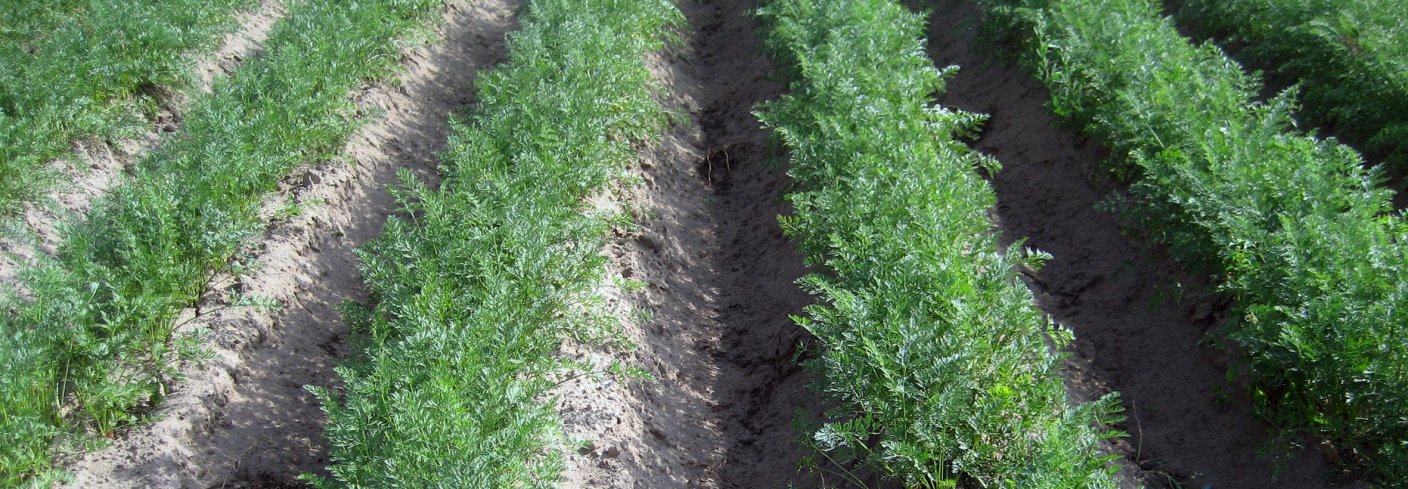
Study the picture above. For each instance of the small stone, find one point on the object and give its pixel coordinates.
(611, 452)
(1202, 311)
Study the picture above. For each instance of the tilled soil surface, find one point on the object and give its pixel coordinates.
(243, 418)
(1141, 319)
(99, 165)
(721, 284)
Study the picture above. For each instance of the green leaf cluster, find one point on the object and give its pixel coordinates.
(477, 282)
(93, 343)
(71, 69)
(939, 368)
(1300, 234)
(1348, 57)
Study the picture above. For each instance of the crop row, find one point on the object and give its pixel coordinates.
(96, 339)
(477, 282)
(85, 68)
(1297, 231)
(1350, 58)
(939, 366)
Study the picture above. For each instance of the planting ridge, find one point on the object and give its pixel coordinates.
(61, 85)
(939, 368)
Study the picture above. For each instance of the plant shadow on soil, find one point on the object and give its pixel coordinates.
(243, 419)
(1141, 319)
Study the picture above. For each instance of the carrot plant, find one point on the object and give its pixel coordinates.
(95, 341)
(1348, 57)
(74, 69)
(939, 366)
(476, 283)
(1299, 233)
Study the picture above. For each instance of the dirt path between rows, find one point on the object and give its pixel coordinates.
(1138, 331)
(243, 419)
(721, 284)
(99, 165)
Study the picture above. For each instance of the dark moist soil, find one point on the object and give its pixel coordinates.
(1140, 318)
(243, 418)
(721, 281)
(756, 267)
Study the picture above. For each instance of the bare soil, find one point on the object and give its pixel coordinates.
(243, 418)
(1141, 319)
(99, 165)
(721, 284)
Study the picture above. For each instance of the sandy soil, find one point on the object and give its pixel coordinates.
(1140, 318)
(99, 165)
(721, 285)
(243, 419)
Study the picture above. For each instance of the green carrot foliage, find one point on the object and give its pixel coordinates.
(1348, 57)
(940, 368)
(95, 342)
(477, 282)
(75, 69)
(1299, 233)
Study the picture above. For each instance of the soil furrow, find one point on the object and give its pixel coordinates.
(721, 284)
(1140, 318)
(98, 166)
(242, 418)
